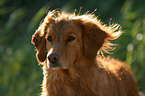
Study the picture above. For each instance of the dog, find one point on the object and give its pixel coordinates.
(68, 47)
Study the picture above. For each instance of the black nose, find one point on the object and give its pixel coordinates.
(53, 58)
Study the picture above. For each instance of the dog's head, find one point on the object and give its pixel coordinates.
(65, 39)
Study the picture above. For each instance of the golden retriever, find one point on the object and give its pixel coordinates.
(67, 46)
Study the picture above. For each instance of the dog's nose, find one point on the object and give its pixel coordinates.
(53, 58)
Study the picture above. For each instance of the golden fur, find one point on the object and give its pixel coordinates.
(82, 71)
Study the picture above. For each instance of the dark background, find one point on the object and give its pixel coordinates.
(20, 74)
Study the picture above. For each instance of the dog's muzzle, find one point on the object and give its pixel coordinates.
(53, 59)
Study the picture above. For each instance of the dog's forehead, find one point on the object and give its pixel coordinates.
(62, 26)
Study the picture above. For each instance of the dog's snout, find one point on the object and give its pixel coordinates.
(53, 58)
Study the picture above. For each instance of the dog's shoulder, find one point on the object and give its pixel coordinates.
(114, 66)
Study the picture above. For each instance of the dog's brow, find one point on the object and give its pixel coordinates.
(51, 28)
(61, 23)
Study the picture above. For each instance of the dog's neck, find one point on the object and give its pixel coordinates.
(59, 79)
(74, 70)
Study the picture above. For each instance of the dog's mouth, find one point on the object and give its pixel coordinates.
(54, 62)
(54, 65)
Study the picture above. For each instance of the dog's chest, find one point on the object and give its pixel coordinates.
(67, 86)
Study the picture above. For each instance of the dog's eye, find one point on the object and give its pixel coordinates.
(49, 38)
(70, 38)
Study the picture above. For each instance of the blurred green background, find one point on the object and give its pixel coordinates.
(20, 74)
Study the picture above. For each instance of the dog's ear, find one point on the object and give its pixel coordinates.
(39, 37)
(40, 45)
(93, 39)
